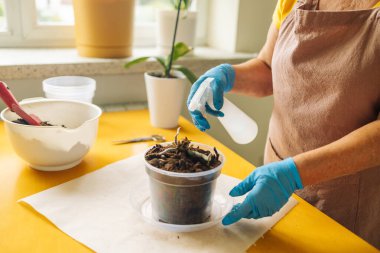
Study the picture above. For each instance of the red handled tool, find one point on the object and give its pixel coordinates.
(8, 98)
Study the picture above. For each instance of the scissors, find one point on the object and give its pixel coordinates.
(154, 137)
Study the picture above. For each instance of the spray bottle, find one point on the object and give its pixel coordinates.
(238, 125)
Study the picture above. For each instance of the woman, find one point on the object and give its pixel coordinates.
(321, 62)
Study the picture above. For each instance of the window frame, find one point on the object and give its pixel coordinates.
(24, 30)
(13, 33)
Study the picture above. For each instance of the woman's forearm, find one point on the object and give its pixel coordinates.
(254, 77)
(354, 152)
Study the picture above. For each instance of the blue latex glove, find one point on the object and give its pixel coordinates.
(224, 76)
(269, 188)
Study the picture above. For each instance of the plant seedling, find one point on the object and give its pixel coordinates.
(180, 50)
(182, 156)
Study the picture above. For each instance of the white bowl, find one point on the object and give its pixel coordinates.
(54, 148)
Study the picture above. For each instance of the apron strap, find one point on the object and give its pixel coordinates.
(274, 150)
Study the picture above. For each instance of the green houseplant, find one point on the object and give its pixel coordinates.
(166, 88)
(180, 49)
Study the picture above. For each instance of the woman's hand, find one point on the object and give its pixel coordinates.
(269, 188)
(224, 76)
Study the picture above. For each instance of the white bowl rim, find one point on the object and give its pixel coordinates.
(47, 100)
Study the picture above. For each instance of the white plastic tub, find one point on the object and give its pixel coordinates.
(78, 88)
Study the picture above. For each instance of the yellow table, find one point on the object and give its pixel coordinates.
(304, 229)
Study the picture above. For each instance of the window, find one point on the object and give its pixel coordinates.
(55, 12)
(3, 20)
(50, 23)
(146, 10)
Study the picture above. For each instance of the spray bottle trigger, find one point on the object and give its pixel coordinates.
(210, 97)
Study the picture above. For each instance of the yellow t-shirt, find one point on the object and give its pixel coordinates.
(284, 7)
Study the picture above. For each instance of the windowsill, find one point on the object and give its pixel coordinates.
(41, 63)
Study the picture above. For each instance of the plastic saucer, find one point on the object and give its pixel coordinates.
(141, 203)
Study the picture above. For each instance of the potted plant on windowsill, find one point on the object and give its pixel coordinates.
(165, 89)
(186, 26)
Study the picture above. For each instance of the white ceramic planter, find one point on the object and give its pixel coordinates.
(185, 32)
(165, 98)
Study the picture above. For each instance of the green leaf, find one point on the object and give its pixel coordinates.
(187, 4)
(184, 6)
(136, 61)
(180, 49)
(187, 72)
(160, 60)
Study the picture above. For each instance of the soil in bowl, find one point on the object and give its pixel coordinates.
(182, 200)
(43, 123)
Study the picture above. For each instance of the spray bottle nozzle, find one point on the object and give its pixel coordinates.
(202, 96)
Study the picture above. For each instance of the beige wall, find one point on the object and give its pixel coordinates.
(239, 25)
(246, 33)
(254, 19)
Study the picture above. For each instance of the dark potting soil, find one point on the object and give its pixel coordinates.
(161, 75)
(182, 156)
(24, 122)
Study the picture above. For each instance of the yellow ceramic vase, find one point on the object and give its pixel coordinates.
(104, 28)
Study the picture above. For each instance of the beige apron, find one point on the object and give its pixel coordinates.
(326, 84)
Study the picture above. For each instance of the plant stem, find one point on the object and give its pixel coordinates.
(167, 74)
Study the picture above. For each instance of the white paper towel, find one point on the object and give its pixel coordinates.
(94, 209)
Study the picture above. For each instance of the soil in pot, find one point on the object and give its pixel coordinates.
(182, 200)
(161, 75)
(182, 157)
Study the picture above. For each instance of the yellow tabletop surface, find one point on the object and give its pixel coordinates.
(304, 229)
